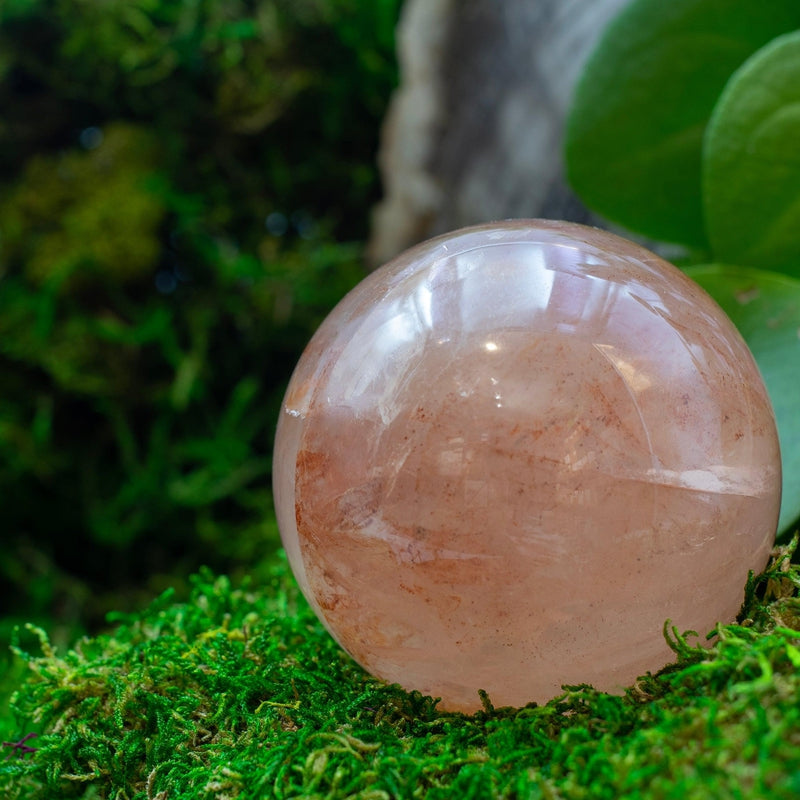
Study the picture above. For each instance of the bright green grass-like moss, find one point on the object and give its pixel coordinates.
(239, 693)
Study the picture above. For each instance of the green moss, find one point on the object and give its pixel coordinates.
(182, 189)
(239, 693)
(83, 217)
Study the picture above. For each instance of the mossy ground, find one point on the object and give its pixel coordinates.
(239, 693)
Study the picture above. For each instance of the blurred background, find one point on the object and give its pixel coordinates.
(186, 189)
(184, 192)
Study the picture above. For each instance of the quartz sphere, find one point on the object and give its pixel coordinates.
(507, 457)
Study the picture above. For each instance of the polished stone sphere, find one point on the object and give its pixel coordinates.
(510, 454)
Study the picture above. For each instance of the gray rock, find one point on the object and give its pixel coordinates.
(475, 130)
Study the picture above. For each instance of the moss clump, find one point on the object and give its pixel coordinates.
(239, 693)
(87, 217)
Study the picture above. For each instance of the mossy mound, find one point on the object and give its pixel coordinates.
(239, 693)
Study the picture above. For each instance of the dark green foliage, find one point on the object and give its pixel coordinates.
(259, 102)
(239, 693)
(181, 185)
(684, 127)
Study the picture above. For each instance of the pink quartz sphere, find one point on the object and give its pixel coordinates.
(511, 454)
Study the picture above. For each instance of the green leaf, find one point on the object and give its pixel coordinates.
(635, 131)
(751, 166)
(765, 307)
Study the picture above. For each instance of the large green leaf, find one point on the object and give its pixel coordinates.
(751, 164)
(635, 132)
(765, 307)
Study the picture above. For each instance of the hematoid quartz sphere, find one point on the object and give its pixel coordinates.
(510, 454)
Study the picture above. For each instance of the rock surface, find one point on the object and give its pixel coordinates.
(506, 458)
(474, 132)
